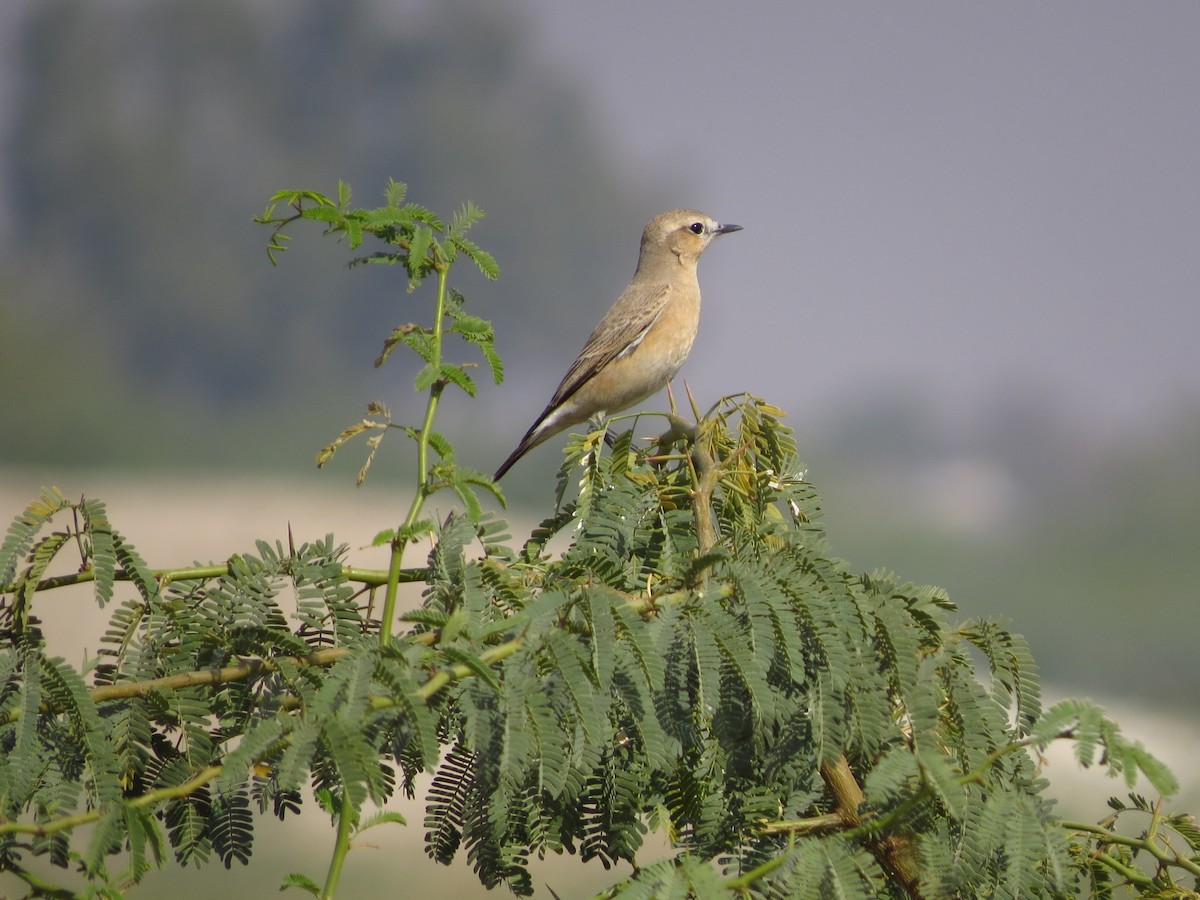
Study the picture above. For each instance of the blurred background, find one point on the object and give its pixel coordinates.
(970, 272)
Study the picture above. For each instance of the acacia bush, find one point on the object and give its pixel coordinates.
(696, 663)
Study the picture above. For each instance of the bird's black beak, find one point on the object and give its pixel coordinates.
(725, 229)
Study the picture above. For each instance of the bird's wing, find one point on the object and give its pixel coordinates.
(619, 333)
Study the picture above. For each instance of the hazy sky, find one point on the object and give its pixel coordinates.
(971, 198)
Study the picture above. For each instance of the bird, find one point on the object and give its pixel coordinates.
(643, 339)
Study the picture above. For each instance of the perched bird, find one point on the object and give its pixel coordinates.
(642, 341)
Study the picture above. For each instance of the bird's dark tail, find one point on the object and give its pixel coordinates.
(531, 440)
(508, 463)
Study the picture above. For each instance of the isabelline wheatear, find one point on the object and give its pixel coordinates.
(642, 341)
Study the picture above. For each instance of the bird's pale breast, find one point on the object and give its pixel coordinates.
(659, 356)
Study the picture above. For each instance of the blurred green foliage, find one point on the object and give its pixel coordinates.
(143, 136)
(1090, 547)
(694, 663)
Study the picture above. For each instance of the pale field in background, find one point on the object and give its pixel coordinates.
(175, 520)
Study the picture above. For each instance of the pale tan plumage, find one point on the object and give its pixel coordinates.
(643, 339)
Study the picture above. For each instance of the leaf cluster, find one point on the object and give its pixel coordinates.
(423, 242)
(425, 246)
(1110, 857)
(567, 704)
(697, 663)
(210, 700)
(705, 691)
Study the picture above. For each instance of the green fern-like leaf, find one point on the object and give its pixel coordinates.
(231, 827)
(144, 839)
(65, 688)
(135, 567)
(303, 882)
(23, 766)
(571, 673)
(106, 839)
(1014, 673)
(24, 528)
(445, 808)
(187, 827)
(416, 728)
(103, 550)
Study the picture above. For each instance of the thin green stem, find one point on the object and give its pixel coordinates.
(393, 587)
(1147, 843)
(163, 576)
(325, 656)
(404, 533)
(204, 573)
(446, 676)
(341, 846)
(826, 822)
(41, 887)
(1130, 874)
(376, 577)
(432, 686)
(743, 883)
(197, 781)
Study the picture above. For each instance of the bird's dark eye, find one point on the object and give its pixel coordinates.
(696, 228)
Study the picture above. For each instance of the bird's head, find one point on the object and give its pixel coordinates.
(681, 235)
